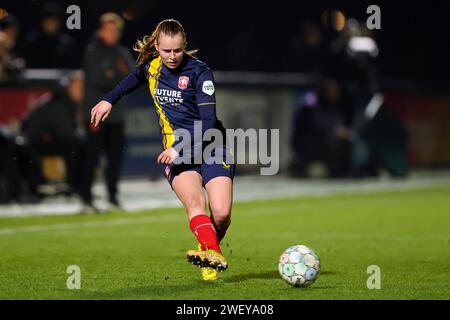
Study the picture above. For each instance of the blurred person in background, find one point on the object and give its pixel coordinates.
(10, 66)
(10, 26)
(49, 46)
(10, 176)
(353, 63)
(52, 129)
(106, 62)
(19, 169)
(333, 118)
(380, 139)
(321, 133)
(306, 50)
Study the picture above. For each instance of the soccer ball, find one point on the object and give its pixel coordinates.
(299, 266)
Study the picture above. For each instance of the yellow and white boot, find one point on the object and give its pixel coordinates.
(198, 257)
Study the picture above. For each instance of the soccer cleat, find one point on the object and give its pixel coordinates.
(208, 274)
(207, 258)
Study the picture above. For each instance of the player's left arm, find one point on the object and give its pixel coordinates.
(206, 99)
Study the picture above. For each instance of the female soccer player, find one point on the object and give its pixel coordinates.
(182, 89)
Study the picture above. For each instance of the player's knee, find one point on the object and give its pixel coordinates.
(221, 213)
(194, 204)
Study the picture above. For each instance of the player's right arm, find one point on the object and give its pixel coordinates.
(130, 83)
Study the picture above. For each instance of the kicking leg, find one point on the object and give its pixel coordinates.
(188, 187)
(220, 195)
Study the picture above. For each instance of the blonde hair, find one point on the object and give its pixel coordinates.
(112, 17)
(146, 45)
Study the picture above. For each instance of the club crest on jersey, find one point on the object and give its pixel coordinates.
(183, 82)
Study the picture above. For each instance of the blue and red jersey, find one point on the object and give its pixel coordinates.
(181, 96)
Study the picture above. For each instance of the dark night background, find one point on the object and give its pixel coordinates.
(241, 35)
(356, 102)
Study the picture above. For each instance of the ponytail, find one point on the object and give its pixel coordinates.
(146, 46)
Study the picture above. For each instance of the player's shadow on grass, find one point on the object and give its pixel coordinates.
(266, 275)
(250, 276)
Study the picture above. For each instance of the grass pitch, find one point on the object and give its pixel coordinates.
(142, 255)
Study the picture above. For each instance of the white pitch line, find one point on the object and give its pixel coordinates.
(107, 223)
(91, 224)
(144, 195)
(261, 210)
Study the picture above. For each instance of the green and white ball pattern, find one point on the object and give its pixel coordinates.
(299, 266)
